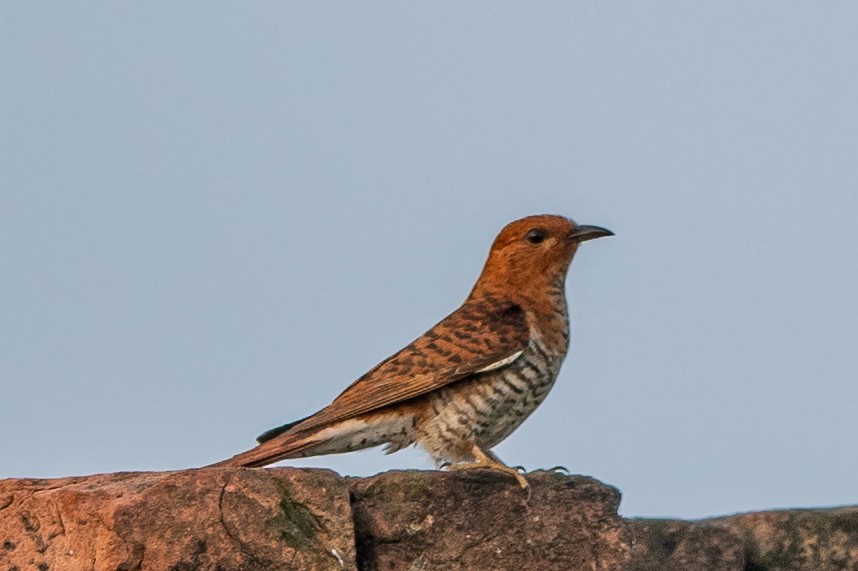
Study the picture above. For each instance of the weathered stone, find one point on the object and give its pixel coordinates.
(670, 545)
(238, 519)
(218, 519)
(483, 520)
(788, 540)
(799, 540)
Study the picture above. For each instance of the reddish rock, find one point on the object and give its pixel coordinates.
(238, 519)
(483, 520)
(214, 519)
(241, 519)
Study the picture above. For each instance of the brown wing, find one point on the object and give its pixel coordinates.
(479, 336)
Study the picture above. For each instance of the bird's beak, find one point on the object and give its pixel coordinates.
(583, 233)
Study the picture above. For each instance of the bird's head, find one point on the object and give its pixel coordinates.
(533, 253)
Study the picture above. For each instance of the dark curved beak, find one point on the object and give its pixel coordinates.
(583, 233)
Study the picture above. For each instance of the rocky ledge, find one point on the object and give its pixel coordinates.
(228, 519)
(787, 540)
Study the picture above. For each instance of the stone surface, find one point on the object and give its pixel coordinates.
(238, 519)
(788, 540)
(196, 519)
(410, 521)
(812, 540)
(244, 519)
(662, 545)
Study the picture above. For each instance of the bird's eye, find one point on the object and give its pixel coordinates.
(536, 236)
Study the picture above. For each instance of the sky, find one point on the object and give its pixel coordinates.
(214, 216)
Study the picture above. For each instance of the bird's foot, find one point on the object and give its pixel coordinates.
(519, 477)
(488, 460)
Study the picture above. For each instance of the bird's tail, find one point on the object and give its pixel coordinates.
(291, 441)
(273, 450)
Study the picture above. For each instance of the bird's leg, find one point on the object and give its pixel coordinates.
(489, 461)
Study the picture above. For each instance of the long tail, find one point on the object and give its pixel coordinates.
(291, 441)
(273, 450)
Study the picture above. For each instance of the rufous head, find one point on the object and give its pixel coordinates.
(533, 253)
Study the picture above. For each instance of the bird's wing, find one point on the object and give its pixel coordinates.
(478, 337)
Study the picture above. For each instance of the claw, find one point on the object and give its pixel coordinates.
(489, 461)
(519, 477)
(525, 485)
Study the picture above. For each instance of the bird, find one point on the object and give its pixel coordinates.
(467, 383)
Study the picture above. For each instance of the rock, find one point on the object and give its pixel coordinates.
(788, 540)
(410, 521)
(223, 519)
(799, 540)
(238, 519)
(661, 545)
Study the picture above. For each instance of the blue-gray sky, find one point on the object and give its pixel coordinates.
(215, 216)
